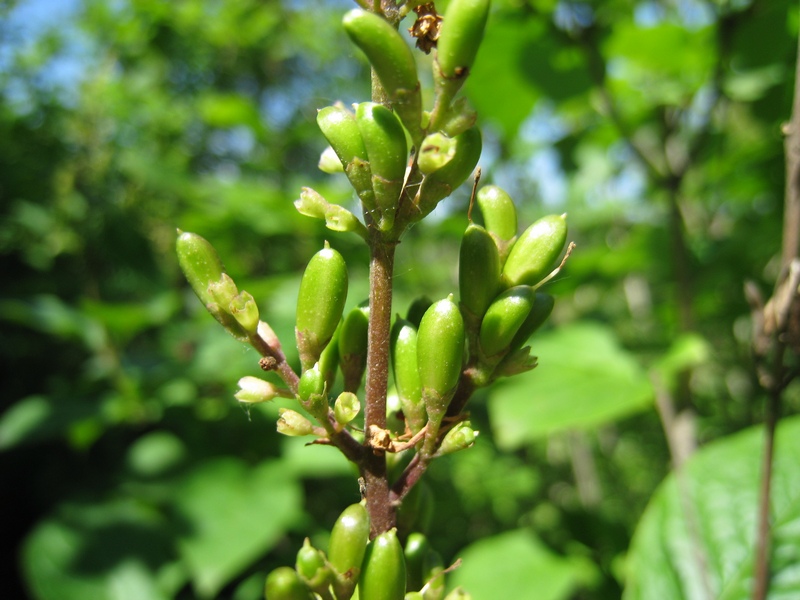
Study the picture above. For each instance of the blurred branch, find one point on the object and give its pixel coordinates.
(776, 328)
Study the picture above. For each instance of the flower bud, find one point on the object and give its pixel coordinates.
(393, 62)
(536, 251)
(460, 437)
(499, 212)
(320, 302)
(346, 549)
(384, 574)
(353, 346)
(253, 390)
(337, 218)
(346, 408)
(504, 318)
(406, 373)
(329, 161)
(285, 584)
(440, 349)
(292, 423)
(478, 272)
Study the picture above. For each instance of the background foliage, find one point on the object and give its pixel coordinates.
(129, 470)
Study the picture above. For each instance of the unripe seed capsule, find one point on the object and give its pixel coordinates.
(478, 271)
(542, 307)
(441, 182)
(460, 36)
(199, 262)
(498, 210)
(339, 127)
(348, 544)
(504, 318)
(440, 348)
(353, 346)
(244, 309)
(346, 408)
(536, 251)
(406, 373)
(384, 575)
(416, 552)
(320, 302)
(312, 567)
(384, 139)
(285, 584)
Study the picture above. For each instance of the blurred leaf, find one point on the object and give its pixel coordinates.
(688, 351)
(228, 110)
(518, 565)
(119, 550)
(584, 379)
(155, 453)
(712, 514)
(40, 418)
(234, 514)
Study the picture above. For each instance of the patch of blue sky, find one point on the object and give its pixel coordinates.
(25, 26)
(694, 14)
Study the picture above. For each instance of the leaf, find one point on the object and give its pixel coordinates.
(116, 550)
(518, 565)
(721, 496)
(233, 515)
(584, 379)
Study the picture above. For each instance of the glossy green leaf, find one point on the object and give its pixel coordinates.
(516, 564)
(584, 378)
(224, 503)
(710, 516)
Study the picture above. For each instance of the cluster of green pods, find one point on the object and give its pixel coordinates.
(358, 568)
(400, 159)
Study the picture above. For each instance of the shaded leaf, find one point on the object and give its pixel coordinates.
(584, 378)
(711, 517)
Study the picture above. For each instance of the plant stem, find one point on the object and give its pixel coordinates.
(373, 467)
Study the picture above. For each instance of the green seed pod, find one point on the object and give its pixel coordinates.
(504, 318)
(199, 262)
(384, 574)
(542, 307)
(385, 141)
(348, 544)
(244, 309)
(536, 251)
(478, 273)
(499, 212)
(346, 408)
(285, 584)
(393, 62)
(440, 183)
(459, 118)
(311, 383)
(293, 424)
(353, 346)
(460, 37)
(313, 568)
(460, 437)
(329, 359)
(406, 373)
(440, 350)
(339, 127)
(320, 302)
(416, 552)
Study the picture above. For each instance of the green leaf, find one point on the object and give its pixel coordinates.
(234, 514)
(584, 379)
(107, 551)
(711, 514)
(518, 565)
